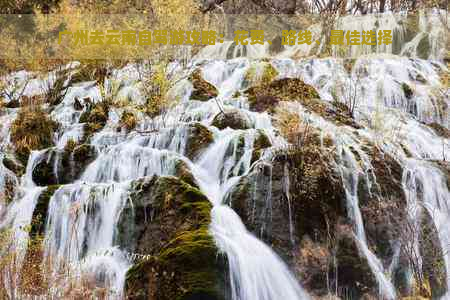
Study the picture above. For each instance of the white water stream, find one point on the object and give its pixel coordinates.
(83, 215)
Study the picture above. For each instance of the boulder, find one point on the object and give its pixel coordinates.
(267, 95)
(202, 89)
(199, 139)
(232, 118)
(169, 221)
(61, 167)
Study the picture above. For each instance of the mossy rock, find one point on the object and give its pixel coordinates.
(31, 130)
(407, 90)
(199, 139)
(95, 118)
(183, 172)
(353, 271)
(261, 142)
(32, 276)
(340, 114)
(440, 130)
(202, 90)
(128, 120)
(13, 165)
(424, 47)
(75, 159)
(316, 198)
(265, 97)
(316, 189)
(43, 173)
(379, 199)
(10, 184)
(62, 167)
(184, 260)
(267, 74)
(388, 173)
(39, 218)
(433, 263)
(276, 46)
(232, 118)
(15, 103)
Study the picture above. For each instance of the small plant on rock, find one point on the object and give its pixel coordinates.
(32, 130)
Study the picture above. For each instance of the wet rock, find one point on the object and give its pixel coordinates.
(43, 173)
(184, 173)
(407, 90)
(61, 167)
(95, 118)
(440, 130)
(433, 264)
(276, 46)
(424, 47)
(12, 164)
(262, 103)
(14, 103)
(10, 184)
(202, 90)
(261, 142)
(169, 221)
(416, 76)
(77, 104)
(128, 120)
(233, 118)
(296, 198)
(353, 272)
(379, 200)
(312, 262)
(199, 139)
(39, 218)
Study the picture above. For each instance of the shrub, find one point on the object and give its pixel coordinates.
(31, 130)
(128, 120)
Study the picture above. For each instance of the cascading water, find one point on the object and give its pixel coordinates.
(83, 215)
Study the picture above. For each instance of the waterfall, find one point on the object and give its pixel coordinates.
(397, 98)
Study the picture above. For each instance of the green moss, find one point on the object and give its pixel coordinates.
(183, 263)
(269, 73)
(261, 142)
(353, 271)
(84, 153)
(424, 47)
(199, 139)
(202, 90)
(267, 94)
(184, 173)
(39, 218)
(233, 119)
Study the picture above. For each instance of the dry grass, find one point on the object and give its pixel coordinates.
(31, 130)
